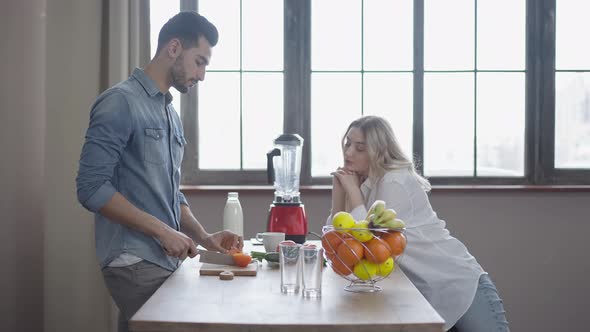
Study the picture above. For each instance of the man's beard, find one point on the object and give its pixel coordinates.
(178, 75)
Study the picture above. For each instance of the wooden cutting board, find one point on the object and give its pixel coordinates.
(215, 269)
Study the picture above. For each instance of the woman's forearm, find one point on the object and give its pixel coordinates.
(338, 196)
(355, 199)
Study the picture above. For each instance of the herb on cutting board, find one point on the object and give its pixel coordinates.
(269, 256)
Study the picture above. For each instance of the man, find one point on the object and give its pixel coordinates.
(129, 173)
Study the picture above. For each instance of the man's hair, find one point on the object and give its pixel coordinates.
(188, 27)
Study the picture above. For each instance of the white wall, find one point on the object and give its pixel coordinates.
(22, 122)
(75, 296)
(533, 244)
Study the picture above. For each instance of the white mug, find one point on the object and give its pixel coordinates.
(270, 240)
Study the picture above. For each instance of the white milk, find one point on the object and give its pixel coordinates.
(233, 218)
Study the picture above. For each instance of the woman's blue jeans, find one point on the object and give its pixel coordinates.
(486, 313)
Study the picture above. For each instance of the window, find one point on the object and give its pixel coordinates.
(361, 63)
(478, 91)
(572, 87)
(474, 74)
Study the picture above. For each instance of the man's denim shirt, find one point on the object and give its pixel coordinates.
(134, 145)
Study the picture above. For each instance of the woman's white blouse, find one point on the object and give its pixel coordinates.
(439, 265)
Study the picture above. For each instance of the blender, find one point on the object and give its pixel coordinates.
(286, 214)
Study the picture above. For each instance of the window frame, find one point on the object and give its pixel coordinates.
(539, 104)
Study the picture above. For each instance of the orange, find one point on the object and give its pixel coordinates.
(331, 241)
(350, 252)
(329, 255)
(397, 242)
(339, 267)
(377, 251)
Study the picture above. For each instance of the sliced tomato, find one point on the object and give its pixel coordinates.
(241, 259)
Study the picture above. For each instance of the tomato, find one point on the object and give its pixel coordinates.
(241, 259)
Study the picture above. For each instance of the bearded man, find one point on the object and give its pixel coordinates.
(129, 172)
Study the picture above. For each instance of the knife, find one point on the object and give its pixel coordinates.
(206, 256)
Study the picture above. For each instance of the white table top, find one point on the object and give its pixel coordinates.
(190, 302)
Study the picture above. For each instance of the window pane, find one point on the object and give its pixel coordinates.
(335, 103)
(160, 12)
(390, 96)
(500, 124)
(219, 121)
(448, 124)
(501, 46)
(262, 97)
(388, 35)
(336, 35)
(263, 38)
(449, 29)
(572, 20)
(572, 120)
(226, 17)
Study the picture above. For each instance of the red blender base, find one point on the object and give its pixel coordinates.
(289, 219)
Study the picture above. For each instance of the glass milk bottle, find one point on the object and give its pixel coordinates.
(233, 218)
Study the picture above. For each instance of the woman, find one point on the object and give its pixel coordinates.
(439, 265)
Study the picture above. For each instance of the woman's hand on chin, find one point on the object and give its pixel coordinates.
(343, 170)
(350, 180)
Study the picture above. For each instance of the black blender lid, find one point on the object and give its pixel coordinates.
(289, 139)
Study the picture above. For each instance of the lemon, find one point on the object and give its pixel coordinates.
(365, 270)
(343, 220)
(361, 232)
(385, 268)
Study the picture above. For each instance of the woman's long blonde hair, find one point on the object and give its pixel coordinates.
(385, 153)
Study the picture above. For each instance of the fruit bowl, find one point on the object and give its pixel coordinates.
(363, 256)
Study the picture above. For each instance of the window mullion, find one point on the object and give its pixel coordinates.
(190, 120)
(189, 5)
(418, 79)
(297, 72)
(540, 82)
(475, 170)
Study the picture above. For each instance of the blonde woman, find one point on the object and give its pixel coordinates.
(439, 265)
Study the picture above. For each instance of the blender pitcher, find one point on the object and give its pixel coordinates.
(287, 213)
(284, 167)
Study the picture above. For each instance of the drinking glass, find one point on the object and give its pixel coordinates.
(312, 263)
(290, 267)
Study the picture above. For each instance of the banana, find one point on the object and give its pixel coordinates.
(376, 209)
(386, 216)
(379, 216)
(379, 207)
(394, 224)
